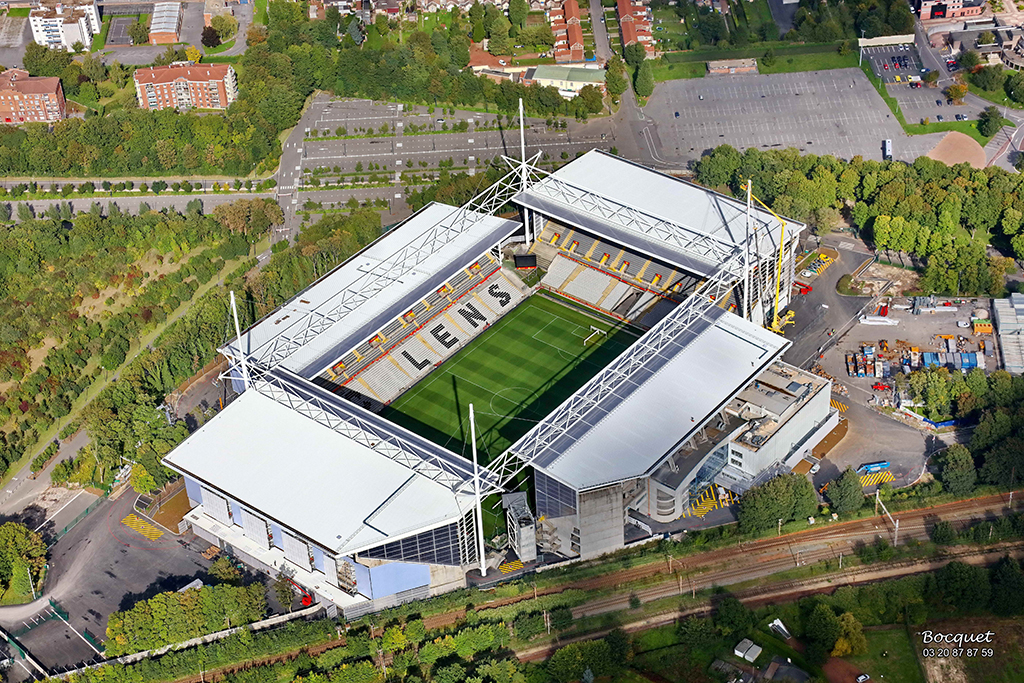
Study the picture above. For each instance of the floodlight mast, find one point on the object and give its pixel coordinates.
(745, 301)
(476, 487)
(238, 338)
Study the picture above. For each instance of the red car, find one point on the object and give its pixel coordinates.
(885, 66)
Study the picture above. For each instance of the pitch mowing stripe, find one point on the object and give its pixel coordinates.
(508, 359)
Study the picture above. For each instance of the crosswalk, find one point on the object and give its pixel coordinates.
(509, 567)
(841, 407)
(143, 527)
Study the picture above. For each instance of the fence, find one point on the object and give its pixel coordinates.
(71, 525)
(166, 493)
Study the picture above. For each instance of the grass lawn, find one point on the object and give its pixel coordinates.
(997, 97)
(816, 62)
(100, 39)
(670, 72)
(222, 59)
(260, 17)
(966, 127)
(19, 12)
(899, 663)
(515, 373)
(220, 48)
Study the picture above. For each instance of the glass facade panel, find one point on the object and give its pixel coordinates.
(554, 499)
(437, 546)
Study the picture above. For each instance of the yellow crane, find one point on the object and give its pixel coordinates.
(778, 322)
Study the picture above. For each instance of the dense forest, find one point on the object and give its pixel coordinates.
(940, 218)
(78, 291)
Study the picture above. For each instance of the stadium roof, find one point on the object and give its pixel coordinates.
(349, 304)
(668, 218)
(665, 402)
(340, 493)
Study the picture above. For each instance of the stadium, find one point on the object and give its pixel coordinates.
(612, 328)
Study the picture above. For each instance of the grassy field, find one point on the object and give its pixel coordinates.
(19, 12)
(671, 72)
(260, 16)
(220, 48)
(515, 373)
(100, 39)
(819, 62)
(899, 663)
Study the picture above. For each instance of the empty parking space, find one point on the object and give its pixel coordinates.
(829, 112)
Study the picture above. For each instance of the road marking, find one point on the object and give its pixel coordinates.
(841, 407)
(142, 527)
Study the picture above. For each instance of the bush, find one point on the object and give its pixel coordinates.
(943, 533)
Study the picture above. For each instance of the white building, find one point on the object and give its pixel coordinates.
(61, 24)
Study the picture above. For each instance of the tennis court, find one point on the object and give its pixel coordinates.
(514, 374)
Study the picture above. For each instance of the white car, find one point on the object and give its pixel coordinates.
(502, 62)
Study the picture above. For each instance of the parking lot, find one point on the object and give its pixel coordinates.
(828, 112)
(100, 566)
(894, 63)
(918, 104)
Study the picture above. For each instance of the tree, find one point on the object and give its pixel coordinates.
(990, 122)
(93, 68)
(732, 616)
(394, 640)
(987, 38)
(226, 25)
(823, 629)
(615, 78)
(139, 33)
(1007, 588)
(964, 586)
(283, 590)
(943, 533)
(193, 54)
(956, 91)
(851, 640)
(644, 80)
(517, 11)
(931, 77)
(210, 37)
(846, 492)
(78, 46)
(225, 571)
(969, 60)
(141, 480)
(769, 57)
(989, 78)
(635, 55)
(958, 473)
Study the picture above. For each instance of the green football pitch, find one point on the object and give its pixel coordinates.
(514, 374)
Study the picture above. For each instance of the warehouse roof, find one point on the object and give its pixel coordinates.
(166, 17)
(637, 194)
(379, 283)
(671, 396)
(330, 488)
(568, 73)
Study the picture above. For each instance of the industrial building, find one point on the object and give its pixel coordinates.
(568, 80)
(303, 473)
(60, 24)
(1009, 328)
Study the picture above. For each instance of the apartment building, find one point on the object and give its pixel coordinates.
(184, 85)
(62, 23)
(26, 99)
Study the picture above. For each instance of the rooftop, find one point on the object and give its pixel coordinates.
(655, 213)
(341, 493)
(669, 398)
(349, 304)
(18, 80)
(166, 17)
(568, 73)
(188, 72)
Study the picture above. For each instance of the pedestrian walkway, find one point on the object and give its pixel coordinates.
(143, 527)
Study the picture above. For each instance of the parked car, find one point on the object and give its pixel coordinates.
(939, 118)
(677, 115)
(863, 678)
(949, 100)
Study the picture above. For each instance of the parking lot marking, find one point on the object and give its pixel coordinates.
(841, 407)
(876, 479)
(143, 527)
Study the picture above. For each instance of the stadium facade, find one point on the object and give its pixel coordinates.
(303, 473)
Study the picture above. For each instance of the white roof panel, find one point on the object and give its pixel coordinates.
(629, 433)
(393, 269)
(305, 476)
(695, 209)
